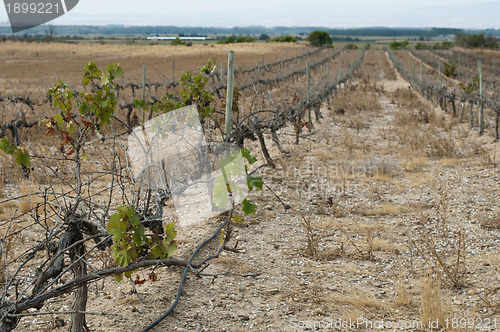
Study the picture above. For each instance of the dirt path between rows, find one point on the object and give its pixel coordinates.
(379, 192)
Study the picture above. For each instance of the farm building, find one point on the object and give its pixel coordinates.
(181, 38)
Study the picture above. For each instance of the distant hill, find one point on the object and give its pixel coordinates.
(117, 29)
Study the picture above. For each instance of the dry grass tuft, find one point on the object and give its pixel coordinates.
(432, 306)
(421, 128)
(386, 209)
(379, 244)
(421, 179)
(414, 162)
(448, 162)
(348, 140)
(358, 123)
(127, 300)
(322, 155)
(363, 301)
(351, 315)
(2, 194)
(2, 180)
(446, 255)
(378, 169)
(234, 264)
(403, 298)
(313, 237)
(25, 203)
(360, 99)
(427, 140)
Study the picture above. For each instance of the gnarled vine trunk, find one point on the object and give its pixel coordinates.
(80, 304)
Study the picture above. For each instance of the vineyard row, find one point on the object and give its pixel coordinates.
(435, 91)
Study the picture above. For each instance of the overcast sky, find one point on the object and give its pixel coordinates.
(229, 13)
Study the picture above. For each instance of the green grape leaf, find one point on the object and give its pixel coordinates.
(104, 78)
(134, 217)
(59, 120)
(119, 277)
(70, 127)
(7, 147)
(248, 156)
(254, 182)
(138, 235)
(23, 157)
(171, 249)
(159, 250)
(116, 227)
(170, 232)
(249, 208)
(123, 253)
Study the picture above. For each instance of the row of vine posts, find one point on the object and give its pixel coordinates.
(439, 93)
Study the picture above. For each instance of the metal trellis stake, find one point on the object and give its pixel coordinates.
(481, 109)
(308, 73)
(229, 100)
(173, 72)
(143, 92)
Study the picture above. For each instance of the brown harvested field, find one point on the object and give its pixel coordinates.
(39, 65)
(394, 221)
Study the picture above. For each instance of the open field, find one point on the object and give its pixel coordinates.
(39, 65)
(390, 213)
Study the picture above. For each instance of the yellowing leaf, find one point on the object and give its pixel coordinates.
(238, 219)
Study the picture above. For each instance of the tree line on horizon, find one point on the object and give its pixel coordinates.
(250, 30)
(318, 38)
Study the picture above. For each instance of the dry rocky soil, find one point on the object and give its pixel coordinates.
(394, 224)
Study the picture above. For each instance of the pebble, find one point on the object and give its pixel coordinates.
(318, 311)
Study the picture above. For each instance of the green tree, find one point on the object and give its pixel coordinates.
(476, 40)
(450, 69)
(288, 39)
(421, 46)
(319, 38)
(177, 41)
(397, 45)
(243, 39)
(264, 37)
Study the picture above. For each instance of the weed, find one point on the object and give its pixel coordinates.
(414, 162)
(25, 203)
(403, 298)
(432, 308)
(490, 299)
(448, 162)
(446, 257)
(312, 237)
(348, 140)
(442, 206)
(363, 300)
(385, 209)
